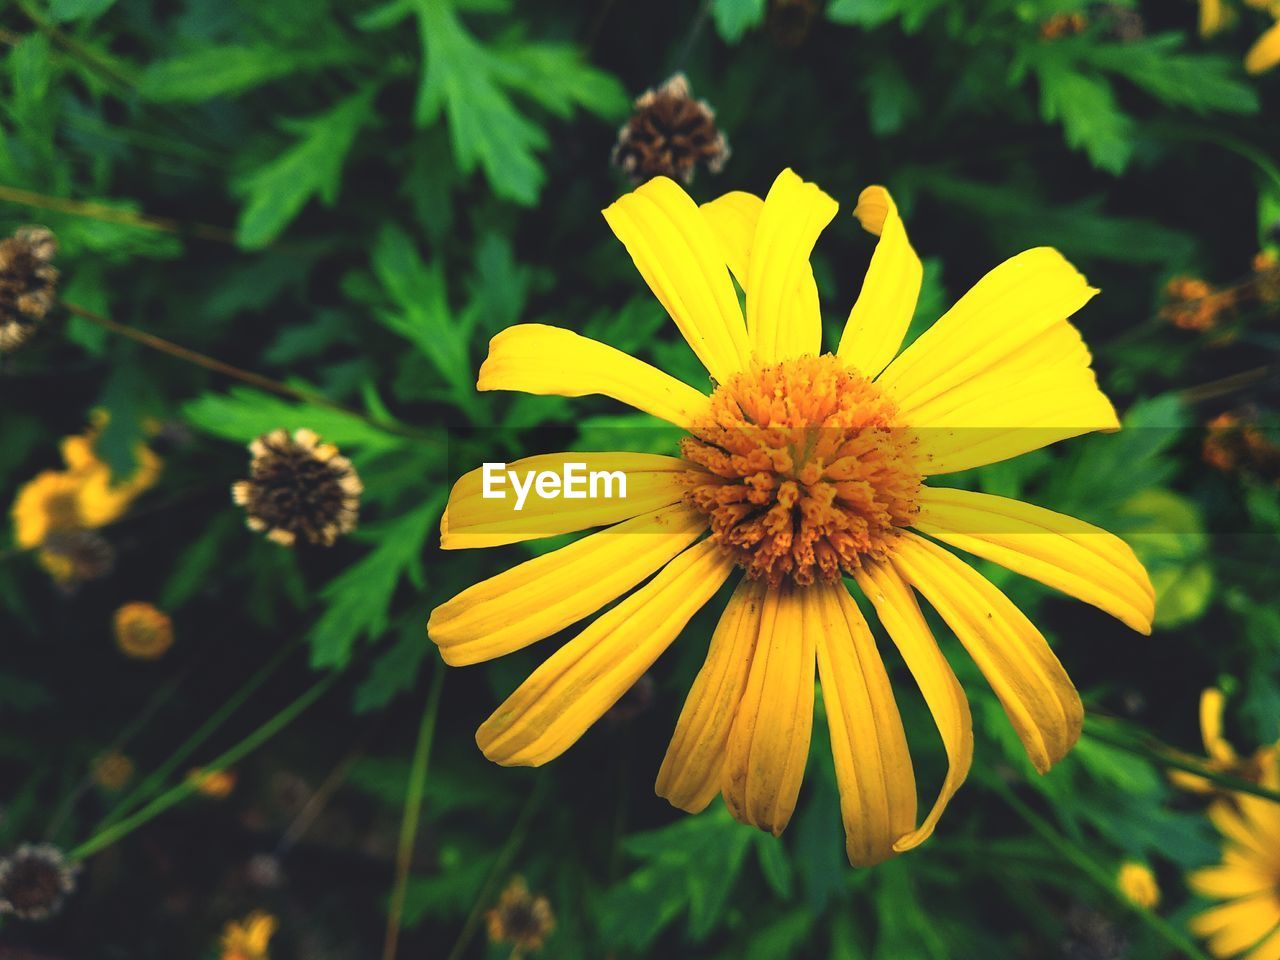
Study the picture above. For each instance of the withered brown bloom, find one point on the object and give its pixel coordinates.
(75, 556)
(520, 918)
(35, 881)
(299, 487)
(28, 284)
(669, 134)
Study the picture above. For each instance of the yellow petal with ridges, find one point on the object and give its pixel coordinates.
(535, 358)
(471, 520)
(541, 596)
(769, 742)
(1070, 555)
(900, 614)
(1034, 689)
(733, 218)
(873, 765)
(690, 774)
(679, 256)
(579, 682)
(880, 316)
(783, 316)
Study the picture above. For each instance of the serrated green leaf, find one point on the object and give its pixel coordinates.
(277, 191)
(242, 413)
(556, 76)
(1087, 108)
(228, 70)
(1199, 81)
(395, 671)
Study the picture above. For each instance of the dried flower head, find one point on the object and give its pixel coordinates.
(1063, 25)
(1266, 276)
(35, 880)
(112, 771)
(73, 557)
(1193, 304)
(142, 631)
(299, 487)
(519, 918)
(28, 284)
(1234, 441)
(669, 134)
(248, 939)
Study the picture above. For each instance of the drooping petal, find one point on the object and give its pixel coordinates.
(873, 765)
(472, 520)
(1035, 691)
(733, 218)
(769, 741)
(535, 358)
(1236, 926)
(900, 614)
(576, 685)
(1070, 555)
(679, 256)
(783, 316)
(880, 316)
(541, 596)
(690, 774)
(1265, 53)
(1002, 372)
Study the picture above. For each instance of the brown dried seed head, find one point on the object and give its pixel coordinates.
(35, 880)
(28, 284)
(669, 134)
(520, 918)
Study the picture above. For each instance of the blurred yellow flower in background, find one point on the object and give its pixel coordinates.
(520, 918)
(143, 631)
(250, 938)
(1138, 884)
(112, 771)
(1265, 52)
(216, 784)
(1221, 756)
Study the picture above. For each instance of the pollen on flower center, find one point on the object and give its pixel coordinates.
(802, 470)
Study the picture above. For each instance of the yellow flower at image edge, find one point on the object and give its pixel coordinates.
(250, 939)
(803, 468)
(1247, 923)
(1221, 756)
(142, 631)
(1138, 884)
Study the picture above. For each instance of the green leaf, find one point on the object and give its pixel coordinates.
(1087, 108)
(873, 13)
(278, 190)
(1166, 531)
(228, 70)
(555, 75)
(63, 11)
(774, 864)
(1200, 82)
(735, 17)
(242, 414)
(396, 670)
(196, 564)
(358, 600)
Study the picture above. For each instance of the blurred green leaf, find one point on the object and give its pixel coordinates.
(1087, 108)
(735, 17)
(243, 413)
(1167, 532)
(1201, 82)
(65, 10)
(228, 70)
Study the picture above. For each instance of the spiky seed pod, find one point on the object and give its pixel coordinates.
(519, 918)
(669, 134)
(299, 487)
(73, 557)
(28, 284)
(35, 880)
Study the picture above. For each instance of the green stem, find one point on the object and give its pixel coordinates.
(174, 795)
(1096, 872)
(412, 813)
(1165, 756)
(149, 786)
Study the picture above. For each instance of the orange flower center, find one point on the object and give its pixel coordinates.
(801, 470)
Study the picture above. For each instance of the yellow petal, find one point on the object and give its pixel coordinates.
(1068, 554)
(680, 258)
(769, 742)
(900, 614)
(1215, 744)
(883, 311)
(535, 358)
(873, 764)
(1235, 927)
(733, 218)
(576, 685)
(690, 774)
(544, 595)
(472, 520)
(1226, 883)
(1210, 17)
(783, 316)
(1227, 819)
(1265, 53)
(1268, 949)
(1036, 693)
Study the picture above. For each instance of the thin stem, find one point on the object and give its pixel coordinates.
(109, 214)
(148, 787)
(412, 813)
(1096, 872)
(500, 866)
(181, 791)
(1228, 385)
(1159, 753)
(317, 802)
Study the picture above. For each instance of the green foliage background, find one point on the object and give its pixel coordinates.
(353, 198)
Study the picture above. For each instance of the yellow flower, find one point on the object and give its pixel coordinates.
(1248, 878)
(1138, 884)
(248, 940)
(519, 918)
(49, 502)
(112, 771)
(142, 631)
(803, 468)
(1221, 756)
(217, 784)
(1265, 53)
